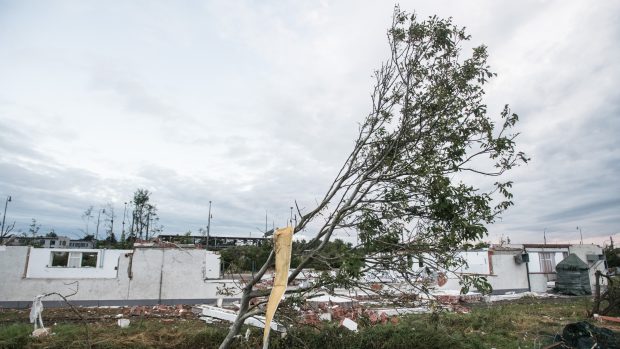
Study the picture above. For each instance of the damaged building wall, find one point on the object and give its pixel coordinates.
(143, 276)
(593, 256)
(41, 263)
(545, 258)
(497, 265)
(508, 275)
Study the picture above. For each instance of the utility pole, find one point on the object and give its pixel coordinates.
(133, 220)
(6, 203)
(291, 216)
(545, 235)
(124, 215)
(112, 223)
(209, 225)
(580, 236)
(611, 239)
(148, 223)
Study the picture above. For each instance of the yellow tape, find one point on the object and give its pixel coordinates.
(283, 241)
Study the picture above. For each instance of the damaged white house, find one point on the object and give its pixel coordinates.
(111, 277)
(526, 267)
(148, 276)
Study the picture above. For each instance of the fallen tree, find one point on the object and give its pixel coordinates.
(402, 188)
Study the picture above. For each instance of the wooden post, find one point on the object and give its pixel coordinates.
(597, 293)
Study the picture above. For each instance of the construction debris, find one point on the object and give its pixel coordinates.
(159, 310)
(36, 319)
(41, 332)
(600, 318)
(123, 323)
(35, 312)
(328, 300)
(230, 315)
(349, 324)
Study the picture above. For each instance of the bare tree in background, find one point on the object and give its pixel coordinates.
(86, 217)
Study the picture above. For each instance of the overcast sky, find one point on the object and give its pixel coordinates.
(253, 104)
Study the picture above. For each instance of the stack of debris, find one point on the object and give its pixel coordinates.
(338, 313)
(159, 310)
(455, 297)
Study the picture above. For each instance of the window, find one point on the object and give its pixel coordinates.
(60, 259)
(89, 259)
(52, 242)
(74, 259)
(547, 262)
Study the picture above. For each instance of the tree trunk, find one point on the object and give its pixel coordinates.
(236, 326)
(597, 294)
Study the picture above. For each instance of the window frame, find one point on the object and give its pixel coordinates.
(74, 259)
(547, 262)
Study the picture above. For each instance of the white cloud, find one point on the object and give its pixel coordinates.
(253, 105)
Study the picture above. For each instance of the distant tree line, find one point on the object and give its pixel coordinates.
(239, 259)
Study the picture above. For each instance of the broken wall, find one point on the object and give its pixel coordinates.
(143, 276)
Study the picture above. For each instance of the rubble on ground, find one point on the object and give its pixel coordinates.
(159, 310)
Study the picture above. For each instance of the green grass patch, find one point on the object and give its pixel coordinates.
(527, 323)
(15, 335)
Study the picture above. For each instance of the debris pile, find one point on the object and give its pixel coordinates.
(455, 297)
(159, 310)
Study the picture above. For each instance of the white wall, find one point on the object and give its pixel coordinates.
(187, 276)
(507, 274)
(477, 262)
(535, 266)
(538, 282)
(39, 264)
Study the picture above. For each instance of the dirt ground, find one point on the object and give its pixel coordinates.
(94, 314)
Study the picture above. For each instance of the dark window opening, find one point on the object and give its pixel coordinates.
(60, 259)
(89, 259)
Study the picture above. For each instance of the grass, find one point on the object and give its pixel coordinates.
(527, 323)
